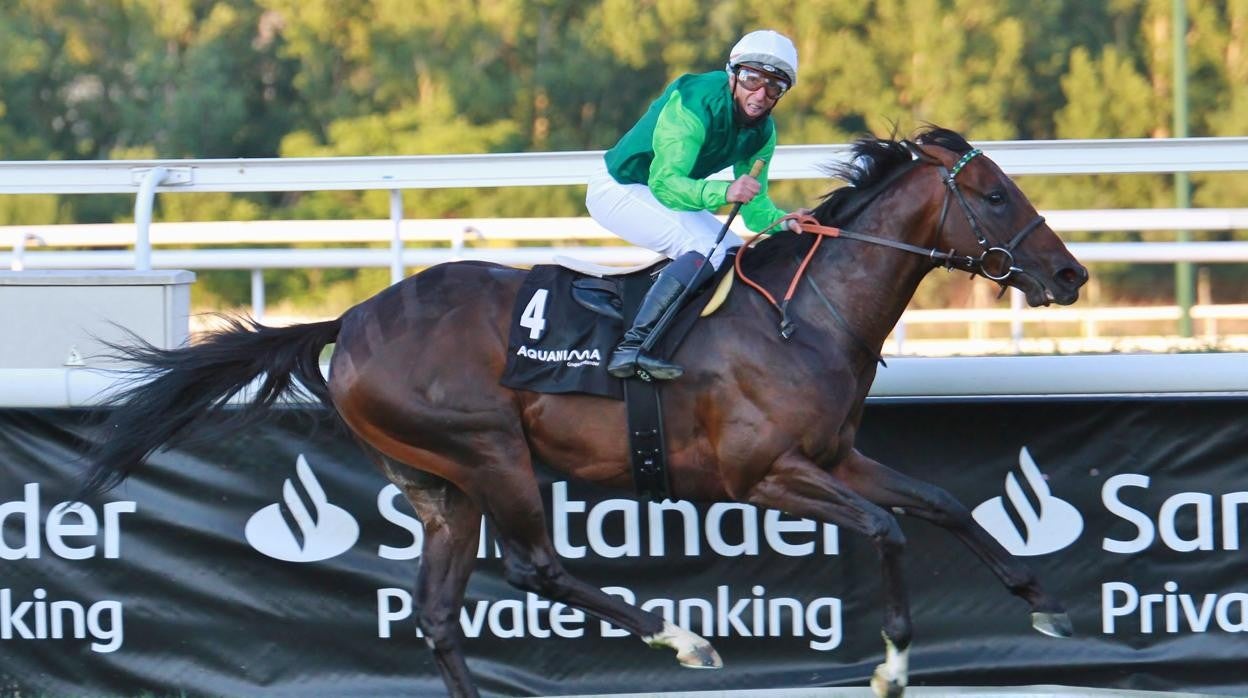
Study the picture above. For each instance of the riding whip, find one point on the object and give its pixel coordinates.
(699, 276)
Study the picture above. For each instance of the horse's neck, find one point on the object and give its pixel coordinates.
(870, 284)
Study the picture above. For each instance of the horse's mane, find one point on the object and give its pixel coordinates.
(875, 164)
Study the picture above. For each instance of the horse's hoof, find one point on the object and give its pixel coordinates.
(691, 650)
(701, 657)
(884, 687)
(1052, 624)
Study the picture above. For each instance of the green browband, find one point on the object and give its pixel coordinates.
(962, 163)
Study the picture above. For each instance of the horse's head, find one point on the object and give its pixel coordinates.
(991, 227)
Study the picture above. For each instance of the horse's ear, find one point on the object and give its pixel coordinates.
(917, 152)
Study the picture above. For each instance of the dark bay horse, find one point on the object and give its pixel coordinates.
(756, 418)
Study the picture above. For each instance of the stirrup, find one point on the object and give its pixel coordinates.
(653, 368)
(618, 369)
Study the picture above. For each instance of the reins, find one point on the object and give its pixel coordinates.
(786, 326)
(809, 224)
(949, 260)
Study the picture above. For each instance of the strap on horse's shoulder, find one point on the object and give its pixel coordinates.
(647, 447)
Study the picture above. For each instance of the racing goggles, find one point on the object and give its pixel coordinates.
(752, 79)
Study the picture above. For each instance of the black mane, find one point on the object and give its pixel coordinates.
(875, 163)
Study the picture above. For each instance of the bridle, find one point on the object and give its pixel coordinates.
(982, 265)
(994, 262)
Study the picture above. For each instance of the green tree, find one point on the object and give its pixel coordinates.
(1219, 43)
(85, 79)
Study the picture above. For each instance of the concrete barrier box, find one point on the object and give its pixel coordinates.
(57, 318)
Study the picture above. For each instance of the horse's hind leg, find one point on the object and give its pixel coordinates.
(452, 524)
(889, 488)
(799, 487)
(530, 563)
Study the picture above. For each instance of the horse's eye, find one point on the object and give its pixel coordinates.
(995, 198)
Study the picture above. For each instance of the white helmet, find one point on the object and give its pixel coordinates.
(773, 51)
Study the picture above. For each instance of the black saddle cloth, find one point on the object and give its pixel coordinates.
(557, 345)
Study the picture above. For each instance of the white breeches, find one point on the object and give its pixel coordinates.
(632, 212)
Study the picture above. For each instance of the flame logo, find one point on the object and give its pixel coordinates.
(1048, 527)
(304, 526)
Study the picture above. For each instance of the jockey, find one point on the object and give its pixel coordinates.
(654, 191)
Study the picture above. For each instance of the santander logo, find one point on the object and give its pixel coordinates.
(320, 530)
(1046, 528)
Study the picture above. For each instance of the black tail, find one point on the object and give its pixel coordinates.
(174, 387)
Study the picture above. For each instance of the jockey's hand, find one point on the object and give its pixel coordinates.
(791, 221)
(744, 189)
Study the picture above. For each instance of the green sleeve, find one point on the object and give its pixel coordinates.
(760, 212)
(678, 137)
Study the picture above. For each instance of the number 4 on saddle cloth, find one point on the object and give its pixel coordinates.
(568, 319)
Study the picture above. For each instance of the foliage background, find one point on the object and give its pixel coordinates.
(92, 79)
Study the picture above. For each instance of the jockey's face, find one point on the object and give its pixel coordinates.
(756, 92)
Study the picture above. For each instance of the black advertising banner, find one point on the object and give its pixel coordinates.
(277, 561)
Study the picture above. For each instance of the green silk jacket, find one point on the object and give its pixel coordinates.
(689, 133)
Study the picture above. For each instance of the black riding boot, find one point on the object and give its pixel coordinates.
(628, 359)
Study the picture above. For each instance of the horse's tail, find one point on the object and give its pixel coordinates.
(171, 388)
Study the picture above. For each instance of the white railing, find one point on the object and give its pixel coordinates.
(1090, 322)
(540, 169)
(557, 230)
(471, 239)
(260, 259)
(1044, 157)
(460, 237)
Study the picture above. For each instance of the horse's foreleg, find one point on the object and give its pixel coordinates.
(889, 488)
(799, 487)
(452, 524)
(530, 563)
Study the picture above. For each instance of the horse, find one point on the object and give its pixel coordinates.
(761, 417)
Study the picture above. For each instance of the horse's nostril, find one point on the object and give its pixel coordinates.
(1072, 276)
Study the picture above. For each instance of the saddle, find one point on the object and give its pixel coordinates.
(599, 289)
(569, 317)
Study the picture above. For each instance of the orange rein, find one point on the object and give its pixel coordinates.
(808, 225)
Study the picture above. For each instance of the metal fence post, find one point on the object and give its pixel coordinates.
(396, 242)
(257, 294)
(457, 243)
(1016, 320)
(143, 217)
(19, 250)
